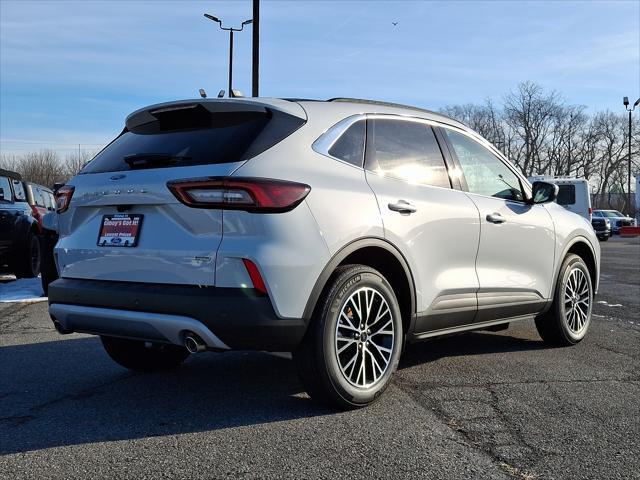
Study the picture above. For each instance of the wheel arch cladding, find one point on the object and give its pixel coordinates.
(382, 256)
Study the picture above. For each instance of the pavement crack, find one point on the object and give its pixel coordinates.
(85, 393)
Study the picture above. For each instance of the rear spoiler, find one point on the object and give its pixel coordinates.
(146, 115)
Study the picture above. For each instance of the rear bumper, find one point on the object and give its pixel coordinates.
(233, 318)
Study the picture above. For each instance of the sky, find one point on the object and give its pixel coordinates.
(70, 72)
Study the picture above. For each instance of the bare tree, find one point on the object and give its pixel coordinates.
(74, 162)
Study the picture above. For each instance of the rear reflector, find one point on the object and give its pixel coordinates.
(263, 195)
(255, 276)
(63, 198)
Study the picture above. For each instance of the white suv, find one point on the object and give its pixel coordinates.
(337, 230)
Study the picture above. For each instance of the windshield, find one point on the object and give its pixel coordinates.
(611, 213)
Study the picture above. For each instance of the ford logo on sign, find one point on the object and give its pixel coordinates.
(116, 240)
(117, 177)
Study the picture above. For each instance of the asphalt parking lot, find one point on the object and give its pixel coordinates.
(477, 405)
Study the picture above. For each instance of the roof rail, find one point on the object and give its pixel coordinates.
(387, 104)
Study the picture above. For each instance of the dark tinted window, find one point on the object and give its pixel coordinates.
(484, 172)
(566, 194)
(18, 190)
(405, 150)
(350, 146)
(5, 196)
(199, 139)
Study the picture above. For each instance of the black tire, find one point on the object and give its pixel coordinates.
(555, 325)
(48, 270)
(27, 263)
(604, 238)
(318, 358)
(139, 356)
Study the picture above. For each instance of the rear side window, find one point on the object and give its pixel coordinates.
(350, 146)
(405, 150)
(18, 190)
(5, 190)
(194, 137)
(566, 194)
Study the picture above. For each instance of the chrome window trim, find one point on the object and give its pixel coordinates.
(324, 142)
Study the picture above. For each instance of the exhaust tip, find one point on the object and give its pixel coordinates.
(194, 344)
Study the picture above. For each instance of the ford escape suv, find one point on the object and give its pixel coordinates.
(336, 230)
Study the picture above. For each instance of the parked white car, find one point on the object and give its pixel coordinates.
(337, 230)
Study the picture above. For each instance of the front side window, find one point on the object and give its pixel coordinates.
(484, 172)
(566, 195)
(5, 190)
(350, 146)
(405, 150)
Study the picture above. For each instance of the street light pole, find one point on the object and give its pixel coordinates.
(255, 50)
(230, 61)
(625, 102)
(230, 30)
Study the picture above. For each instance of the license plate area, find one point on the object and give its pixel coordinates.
(120, 230)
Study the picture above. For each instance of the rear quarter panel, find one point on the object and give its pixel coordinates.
(339, 209)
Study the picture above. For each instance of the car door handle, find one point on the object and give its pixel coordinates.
(403, 207)
(495, 218)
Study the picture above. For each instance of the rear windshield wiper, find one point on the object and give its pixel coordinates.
(147, 160)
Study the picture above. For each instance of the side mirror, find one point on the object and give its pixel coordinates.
(543, 192)
(50, 221)
(1, 193)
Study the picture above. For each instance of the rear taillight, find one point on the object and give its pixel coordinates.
(590, 211)
(255, 276)
(262, 195)
(63, 198)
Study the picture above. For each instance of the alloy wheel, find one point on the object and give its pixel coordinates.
(364, 337)
(577, 301)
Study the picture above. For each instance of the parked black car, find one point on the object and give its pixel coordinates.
(19, 243)
(48, 240)
(602, 227)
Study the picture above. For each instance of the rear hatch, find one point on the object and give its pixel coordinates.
(124, 224)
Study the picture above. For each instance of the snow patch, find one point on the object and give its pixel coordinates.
(23, 290)
(602, 302)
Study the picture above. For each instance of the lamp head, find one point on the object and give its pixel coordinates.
(247, 22)
(211, 17)
(625, 101)
(637, 103)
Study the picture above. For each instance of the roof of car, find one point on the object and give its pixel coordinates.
(10, 174)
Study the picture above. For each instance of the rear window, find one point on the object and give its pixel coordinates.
(566, 194)
(194, 137)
